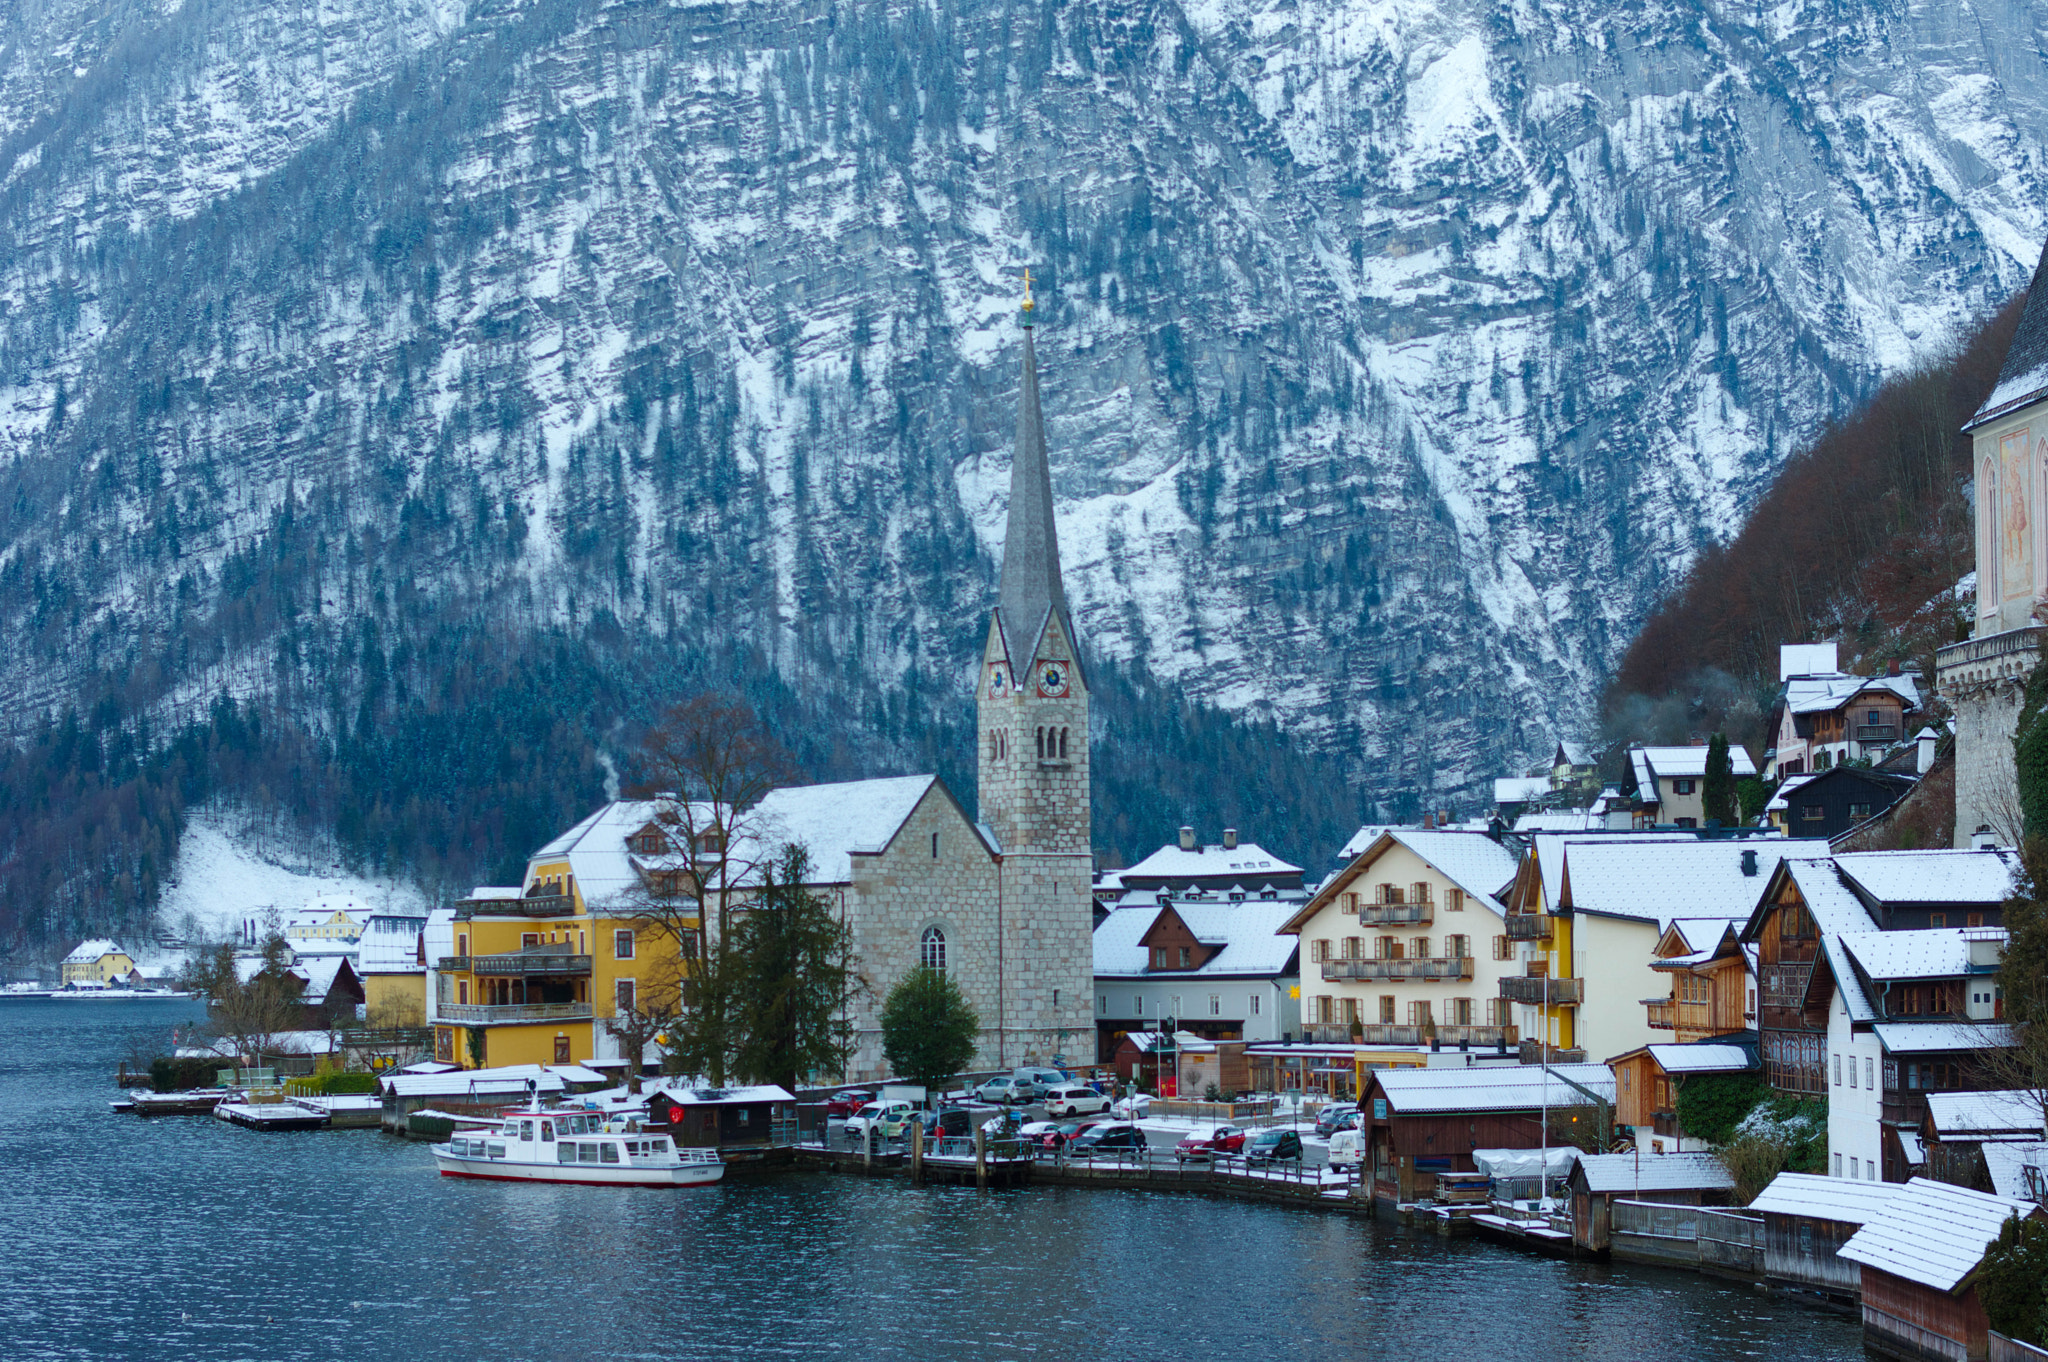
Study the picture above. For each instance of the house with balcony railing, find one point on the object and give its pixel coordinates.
(1824, 718)
(1409, 939)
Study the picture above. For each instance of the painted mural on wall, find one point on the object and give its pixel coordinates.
(2015, 537)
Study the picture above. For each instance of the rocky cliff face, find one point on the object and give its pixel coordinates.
(1395, 356)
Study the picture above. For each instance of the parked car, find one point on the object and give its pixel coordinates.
(1064, 1133)
(1350, 1120)
(1134, 1107)
(1075, 1101)
(1273, 1146)
(1001, 1090)
(1328, 1118)
(1036, 1083)
(1208, 1144)
(846, 1103)
(1344, 1147)
(889, 1120)
(1108, 1137)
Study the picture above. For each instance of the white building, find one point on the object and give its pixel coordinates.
(1672, 781)
(1221, 971)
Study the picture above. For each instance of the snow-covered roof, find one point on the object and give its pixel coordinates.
(1927, 1038)
(1931, 1233)
(728, 1096)
(430, 1066)
(490, 892)
(390, 944)
(1561, 820)
(1607, 1173)
(318, 972)
(1574, 754)
(1985, 878)
(1806, 659)
(1667, 762)
(1171, 862)
(1777, 802)
(1520, 789)
(1931, 953)
(2001, 1112)
(508, 1081)
(1703, 934)
(85, 952)
(1494, 1088)
(1248, 932)
(1473, 861)
(836, 822)
(2007, 1161)
(1702, 1059)
(1854, 999)
(2023, 374)
(1847, 1201)
(1833, 906)
(1550, 850)
(1825, 694)
(1660, 881)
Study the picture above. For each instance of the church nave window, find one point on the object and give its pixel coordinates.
(932, 949)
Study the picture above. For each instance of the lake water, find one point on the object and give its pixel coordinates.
(184, 1237)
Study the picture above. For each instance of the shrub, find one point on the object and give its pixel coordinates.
(1711, 1106)
(175, 1074)
(2013, 1283)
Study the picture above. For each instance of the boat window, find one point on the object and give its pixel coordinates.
(611, 1151)
(565, 1152)
(526, 1130)
(547, 1130)
(659, 1146)
(633, 1148)
(586, 1153)
(497, 1151)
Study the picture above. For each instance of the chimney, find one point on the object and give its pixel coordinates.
(1187, 839)
(1923, 759)
(1892, 668)
(1429, 820)
(1230, 839)
(1749, 861)
(1983, 839)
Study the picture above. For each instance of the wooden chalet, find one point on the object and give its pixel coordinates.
(1422, 1122)
(1958, 1126)
(1713, 981)
(1647, 1080)
(1599, 1180)
(1919, 1256)
(1807, 1219)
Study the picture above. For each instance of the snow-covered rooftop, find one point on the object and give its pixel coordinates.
(1927, 1038)
(1931, 1233)
(508, 1081)
(1561, 820)
(1662, 881)
(1847, 1201)
(1504, 1088)
(1933, 953)
(1520, 789)
(1833, 906)
(836, 822)
(1608, 1173)
(1854, 999)
(2003, 1112)
(1248, 932)
(85, 952)
(1702, 1059)
(1550, 850)
(1172, 862)
(729, 1096)
(1667, 762)
(1937, 876)
(1825, 694)
(2007, 1161)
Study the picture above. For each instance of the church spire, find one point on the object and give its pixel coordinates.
(1031, 588)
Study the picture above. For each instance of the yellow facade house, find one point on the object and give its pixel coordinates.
(97, 962)
(539, 969)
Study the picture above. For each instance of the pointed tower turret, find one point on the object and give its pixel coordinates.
(1032, 693)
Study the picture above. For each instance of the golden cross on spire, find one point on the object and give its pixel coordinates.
(1027, 288)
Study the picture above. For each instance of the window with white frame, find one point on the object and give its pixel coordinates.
(1252, 1004)
(931, 948)
(622, 944)
(1215, 1004)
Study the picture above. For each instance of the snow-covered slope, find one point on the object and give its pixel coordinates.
(1396, 354)
(226, 875)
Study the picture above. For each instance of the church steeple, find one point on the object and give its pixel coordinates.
(1031, 587)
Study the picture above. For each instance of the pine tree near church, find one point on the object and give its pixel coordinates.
(1717, 792)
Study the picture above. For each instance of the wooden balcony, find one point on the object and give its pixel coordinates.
(1536, 1052)
(1528, 926)
(1396, 914)
(1876, 732)
(1440, 967)
(1544, 991)
(1388, 1033)
(1666, 1015)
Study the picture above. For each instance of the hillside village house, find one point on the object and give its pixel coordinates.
(1191, 933)
(1671, 782)
(326, 926)
(1982, 678)
(96, 963)
(1002, 902)
(1835, 802)
(1590, 910)
(1713, 985)
(1824, 717)
(1407, 943)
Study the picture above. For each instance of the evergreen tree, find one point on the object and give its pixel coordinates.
(1717, 792)
(928, 1028)
(2013, 1282)
(794, 978)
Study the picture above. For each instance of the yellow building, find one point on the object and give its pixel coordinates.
(538, 970)
(98, 962)
(394, 969)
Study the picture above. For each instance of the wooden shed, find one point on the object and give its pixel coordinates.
(1807, 1219)
(1421, 1122)
(1599, 1180)
(724, 1118)
(1919, 1257)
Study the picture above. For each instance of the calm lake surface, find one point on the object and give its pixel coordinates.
(184, 1237)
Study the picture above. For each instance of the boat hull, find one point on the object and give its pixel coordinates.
(593, 1175)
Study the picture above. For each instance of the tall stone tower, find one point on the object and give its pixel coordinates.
(1032, 702)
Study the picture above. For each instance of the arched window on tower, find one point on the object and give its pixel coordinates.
(932, 949)
(1063, 744)
(1041, 744)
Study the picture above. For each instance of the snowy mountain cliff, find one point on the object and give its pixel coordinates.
(1396, 355)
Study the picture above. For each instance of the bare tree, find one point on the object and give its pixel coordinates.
(707, 766)
(655, 1011)
(249, 1014)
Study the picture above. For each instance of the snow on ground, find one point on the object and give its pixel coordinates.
(226, 875)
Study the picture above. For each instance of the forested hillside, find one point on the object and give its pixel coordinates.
(1863, 537)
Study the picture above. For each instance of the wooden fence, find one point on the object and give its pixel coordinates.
(1689, 1236)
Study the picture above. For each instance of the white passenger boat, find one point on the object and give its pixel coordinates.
(575, 1146)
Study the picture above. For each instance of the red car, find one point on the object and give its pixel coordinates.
(1221, 1140)
(848, 1102)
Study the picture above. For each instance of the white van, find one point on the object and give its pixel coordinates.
(1344, 1149)
(1075, 1101)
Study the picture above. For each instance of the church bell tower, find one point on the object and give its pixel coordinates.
(1032, 695)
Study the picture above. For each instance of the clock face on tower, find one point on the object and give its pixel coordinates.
(996, 678)
(1052, 679)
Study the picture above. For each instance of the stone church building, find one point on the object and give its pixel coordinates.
(1983, 677)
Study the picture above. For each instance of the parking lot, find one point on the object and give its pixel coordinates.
(1161, 1134)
